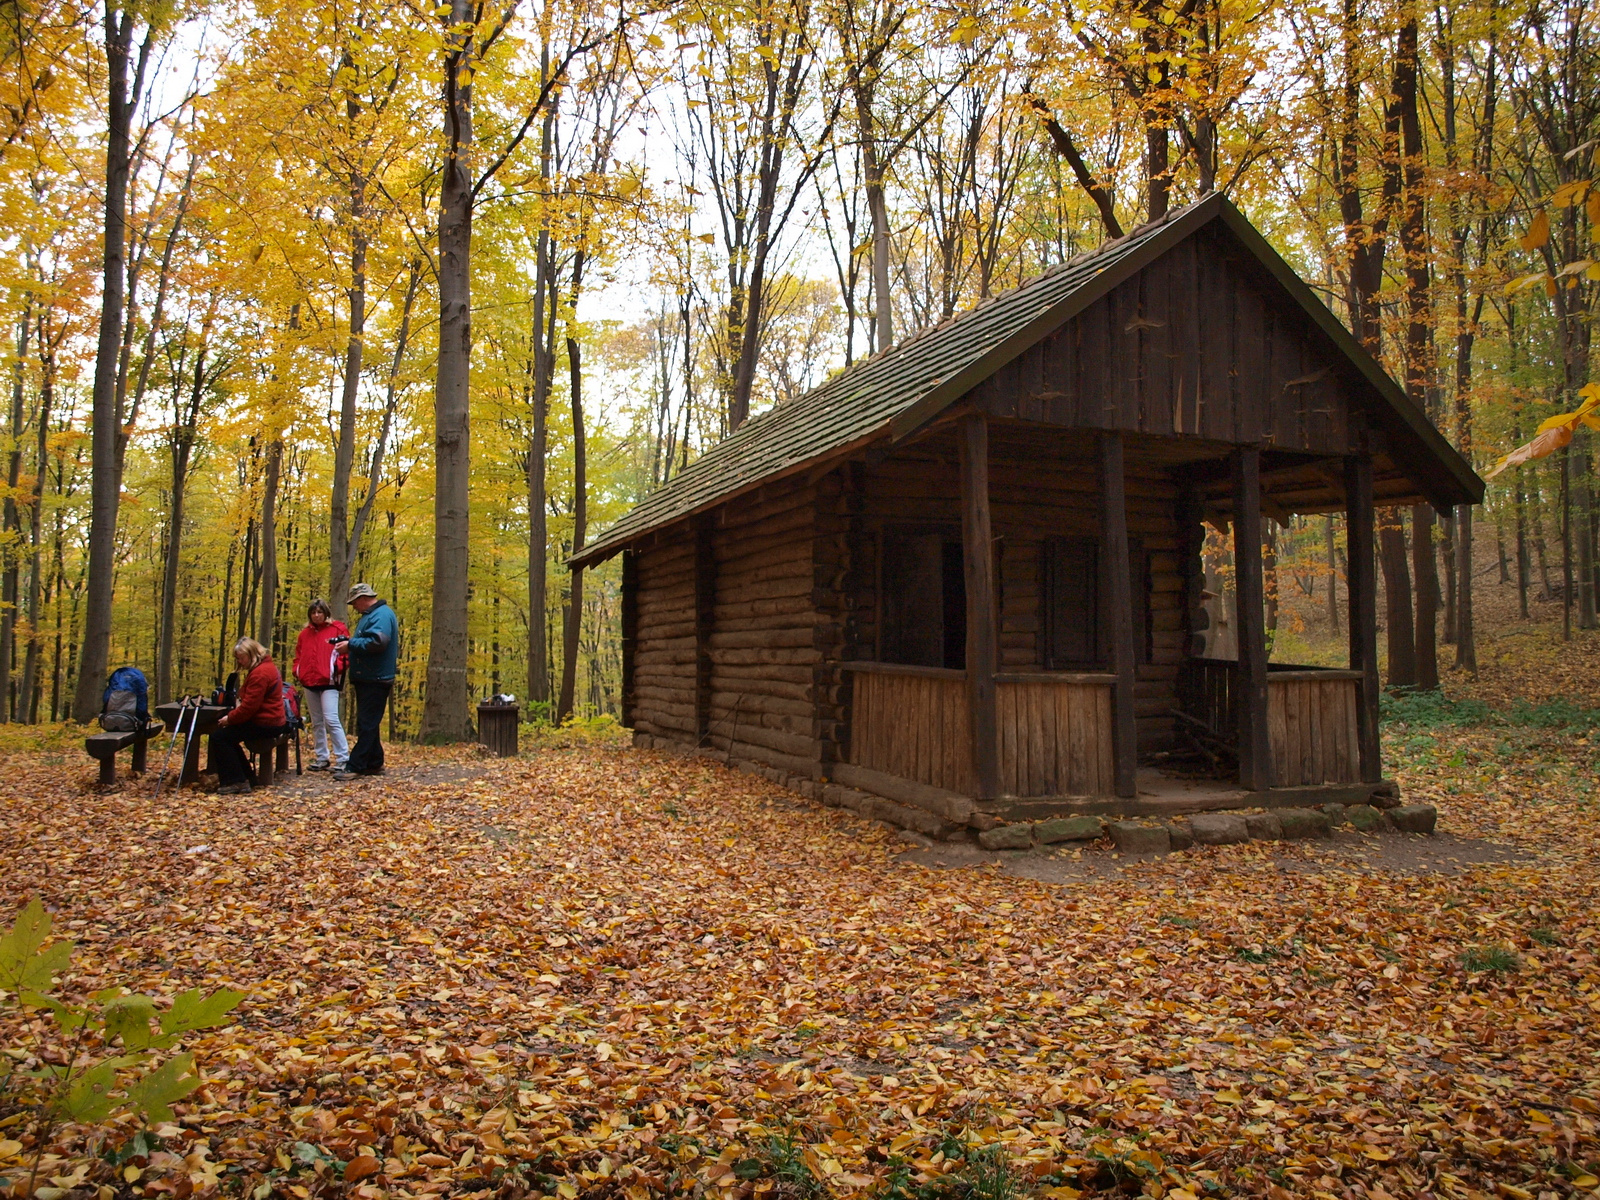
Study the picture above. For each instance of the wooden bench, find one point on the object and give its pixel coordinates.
(104, 746)
(266, 750)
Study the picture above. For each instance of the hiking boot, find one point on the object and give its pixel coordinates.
(234, 789)
(342, 776)
(319, 766)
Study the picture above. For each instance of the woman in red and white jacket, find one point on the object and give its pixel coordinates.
(259, 714)
(319, 666)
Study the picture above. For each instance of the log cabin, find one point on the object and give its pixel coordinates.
(965, 575)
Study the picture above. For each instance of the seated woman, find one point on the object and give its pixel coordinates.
(258, 715)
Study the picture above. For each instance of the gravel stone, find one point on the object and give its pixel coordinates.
(1180, 835)
(1264, 826)
(1304, 823)
(1414, 818)
(1365, 818)
(1133, 838)
(1219, 829)
(1068, 829)
(1007, 837)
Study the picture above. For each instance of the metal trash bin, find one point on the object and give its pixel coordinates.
(497, 728)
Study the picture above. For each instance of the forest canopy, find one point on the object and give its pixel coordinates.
(297, 295)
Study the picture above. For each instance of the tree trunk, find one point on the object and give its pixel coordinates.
(1447, 551)
(391, 399)
(269, 544)
(1427, 597)
(1583, 518)
(1397, 599)
(538, 519)
(1524, 567)
(580, 520)
(169, 575)
(1466, 638)
(105, 490)
(12, 522)
(340, 558)
(1333, 576)
(29, 698)
(444, 712)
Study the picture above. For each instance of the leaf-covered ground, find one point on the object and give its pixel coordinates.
(601, 972)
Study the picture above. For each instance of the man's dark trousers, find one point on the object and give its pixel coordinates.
(372, 698)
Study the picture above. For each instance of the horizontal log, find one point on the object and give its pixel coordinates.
(798, 745)
(664, 646)
(765, 639)
(779, 703)
(762, 569)
(663, 724)
(778, 606)
(771, 589)
(742, 513)
(795, 673)
(950, 805)
(653, 635)
(757, 657)
(661, 710)
(806, 765)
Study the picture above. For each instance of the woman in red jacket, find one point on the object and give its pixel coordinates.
(258, 715)
(317, 667)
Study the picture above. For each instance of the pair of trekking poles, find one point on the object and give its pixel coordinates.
(190, 707)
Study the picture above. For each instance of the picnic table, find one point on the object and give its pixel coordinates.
(205, 719)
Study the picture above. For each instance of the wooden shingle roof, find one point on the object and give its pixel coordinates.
(898, 391)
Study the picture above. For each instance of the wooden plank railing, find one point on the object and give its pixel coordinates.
(1311, 717)
(912, 722)
(1054, 729)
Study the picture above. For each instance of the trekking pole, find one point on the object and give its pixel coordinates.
(194, 723)
(177, 725)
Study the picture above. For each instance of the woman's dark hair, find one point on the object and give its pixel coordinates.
(319, 604)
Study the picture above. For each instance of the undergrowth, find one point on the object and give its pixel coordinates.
(1430, 710)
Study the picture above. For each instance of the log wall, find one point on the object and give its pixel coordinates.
(764, 630)
(664, 654)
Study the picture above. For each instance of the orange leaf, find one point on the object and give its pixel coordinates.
(1538, 232)
(360, 1168)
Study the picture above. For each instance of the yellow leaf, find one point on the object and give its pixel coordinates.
(1376, 1154)
(1569, 194)
(1228, 1096)
(627, 186)
(1585, 1181)
(9, 1148)
(1538, 232)
(466, 1159)
(1062, 1193)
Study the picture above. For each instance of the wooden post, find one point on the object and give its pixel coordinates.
(1118, 596)
(1363, 587)
(1255, 744)
(630, 629)
(983, 641)
(705, 599)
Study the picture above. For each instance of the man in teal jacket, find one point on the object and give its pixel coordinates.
(374, 650)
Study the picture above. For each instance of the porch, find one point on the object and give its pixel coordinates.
(1056, 731)
(985, 727)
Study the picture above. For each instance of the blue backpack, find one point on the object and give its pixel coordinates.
(125, 707)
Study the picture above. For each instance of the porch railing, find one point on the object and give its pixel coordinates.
(1054, 729)
(1311, 716)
